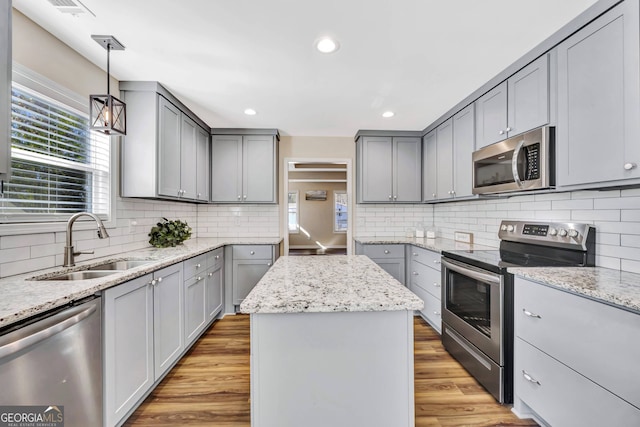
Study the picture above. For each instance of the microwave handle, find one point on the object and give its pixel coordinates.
(514, 164)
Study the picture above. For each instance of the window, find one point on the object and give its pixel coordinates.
(292, 202)
(58, 167)
(340, 223)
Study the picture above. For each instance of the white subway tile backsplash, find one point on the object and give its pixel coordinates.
(595, 215)
(619, 203)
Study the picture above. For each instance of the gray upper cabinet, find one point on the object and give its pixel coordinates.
(244, 168)
(517, 105)
(389, 169)
(447, 157)
(599, 101)
(5, 89)
(161, 153)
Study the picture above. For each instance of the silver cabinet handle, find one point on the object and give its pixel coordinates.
(198, 265)
(159, 279)
(244, 197)
(252, 252)
(389, 196)
(395, 197)
(434, 195)
(269, 264)
(500, 132)
(239, 197)
(210, 274)
(529, 378)
(217, 257)
(437, 285)
(437, 261)
(629, 166)
(198, 279)
(72, 318)
(530, 314)
(199, 194)
(508, 129)
(386, 251)
(415, 273)
(153, 282)
(415, 254)
(437, 313)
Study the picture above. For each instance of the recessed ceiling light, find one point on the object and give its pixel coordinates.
(388, 114)
(327, 45)
(250, 112)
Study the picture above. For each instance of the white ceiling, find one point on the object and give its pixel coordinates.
(417, 58)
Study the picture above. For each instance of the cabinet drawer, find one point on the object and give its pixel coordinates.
(432, 308)
(195, 265)
(427, 278)
(600, 335)
(252, 252)
(426, 257)
(562, 397)
(383, 251)
(215, 257)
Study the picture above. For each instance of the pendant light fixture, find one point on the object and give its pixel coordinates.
(107, 114)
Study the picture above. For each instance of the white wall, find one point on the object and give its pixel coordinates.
(614, 213)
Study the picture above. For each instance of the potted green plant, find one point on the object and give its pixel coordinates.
(169, 233)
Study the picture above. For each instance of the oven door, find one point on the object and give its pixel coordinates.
(472, 303)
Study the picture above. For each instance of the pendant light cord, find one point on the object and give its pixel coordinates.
(108, 79)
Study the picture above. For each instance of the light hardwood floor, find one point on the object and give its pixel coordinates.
(210, 385)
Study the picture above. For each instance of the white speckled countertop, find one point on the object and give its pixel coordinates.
(328, 284)
(23, 298)
(617, 288)
(437, 245)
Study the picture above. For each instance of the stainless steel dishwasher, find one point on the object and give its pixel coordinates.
(56, 360)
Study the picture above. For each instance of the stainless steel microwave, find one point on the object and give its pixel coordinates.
(523, 162)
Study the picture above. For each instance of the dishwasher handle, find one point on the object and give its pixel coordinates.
(69, 318)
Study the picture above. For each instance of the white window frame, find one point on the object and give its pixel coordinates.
(42, 85)
(335, 211)
(297, 230)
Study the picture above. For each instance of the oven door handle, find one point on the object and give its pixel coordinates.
(490, 278)
(514, 164)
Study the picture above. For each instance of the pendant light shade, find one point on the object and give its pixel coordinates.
(107, 114)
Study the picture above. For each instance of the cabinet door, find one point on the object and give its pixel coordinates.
(128, 346)
(259, 169)
(393, 266)
(376, 169)
(528, 97)
(168, 317)
(444, 160)
(226, 168)
(168, 149)
(464, 143)
(407, 169)
(188, 158)
(430, 171)
(599, 100)
(213, 292)
(491, 116)
(246, 274)
(202, 164)
(195, 318)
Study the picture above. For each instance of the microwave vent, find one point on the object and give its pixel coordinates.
(73, 7)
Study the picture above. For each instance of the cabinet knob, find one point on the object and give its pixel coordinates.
(198, 279)
(252, 252)
(415, 254)
(198, 265)
(434, 195)
(239, 197)
(395, 197)
(453, 192)
(199, 195)
(269, 264)
(210, 274)
(437, 313)
(436, 261)
(415, 273)
(390, 196)
(437, 285)
(153, 282)
(244, 197)
(159, 279)
(500, 132)
(508, 129)
(217, 257)
(386, 251)
(629, 166)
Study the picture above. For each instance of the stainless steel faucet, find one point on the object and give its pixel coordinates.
(69, 254)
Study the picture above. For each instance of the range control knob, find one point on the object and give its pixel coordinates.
(503, 227)
(553, 232)
(573, 233)
(510, 228)
(562, 232)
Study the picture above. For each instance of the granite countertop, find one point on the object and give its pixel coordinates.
(617, 288)
(332, 283)
(437, 245)
(23, 298)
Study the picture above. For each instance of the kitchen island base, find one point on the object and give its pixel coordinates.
(332, 369)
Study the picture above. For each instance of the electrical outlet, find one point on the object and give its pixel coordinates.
(463, 237)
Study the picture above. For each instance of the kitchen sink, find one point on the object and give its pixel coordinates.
(120, 265)
(78, 275)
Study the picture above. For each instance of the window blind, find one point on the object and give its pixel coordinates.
(58, 167)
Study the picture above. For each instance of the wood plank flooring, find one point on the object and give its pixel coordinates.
(210, 386)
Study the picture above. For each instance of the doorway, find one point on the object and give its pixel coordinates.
(318, 207)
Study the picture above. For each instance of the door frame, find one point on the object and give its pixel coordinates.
(285, 205)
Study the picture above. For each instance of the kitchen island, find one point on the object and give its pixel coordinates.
(331, 344)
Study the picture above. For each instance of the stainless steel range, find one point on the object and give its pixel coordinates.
(477, 294)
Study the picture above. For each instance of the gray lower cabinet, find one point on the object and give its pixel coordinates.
(519, 104)
(425, 281)
(599, 101)
(213, 292)
(389, 169)
(244, 168)
(575, 362)
(195, 312)
(165, 152)
(249, 264)
(388, 256)
(143, 336)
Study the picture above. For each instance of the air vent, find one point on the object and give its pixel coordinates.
(73, 7)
